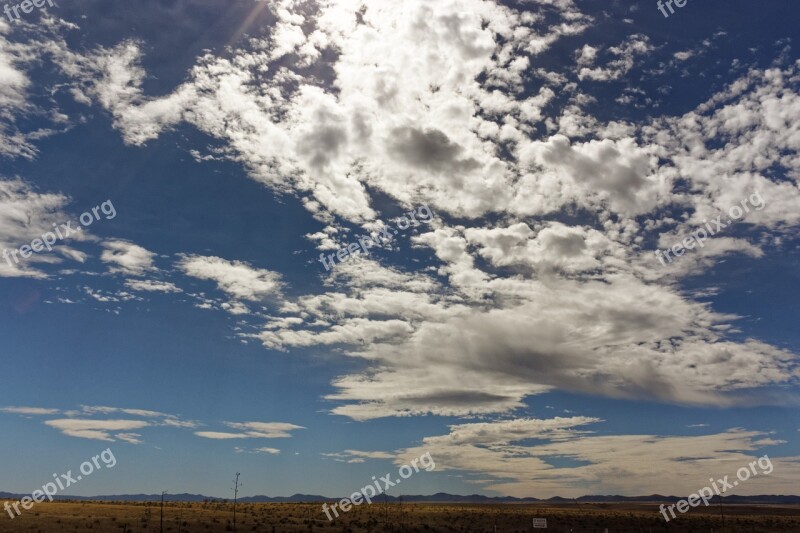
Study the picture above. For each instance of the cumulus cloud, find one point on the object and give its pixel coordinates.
(331, 145)
(617, 174)
(624, 59)
(592, 326)
(540, 273)
(588, 308)
(125, 257)
(236, 278)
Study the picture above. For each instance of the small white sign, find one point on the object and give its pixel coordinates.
(540, 523)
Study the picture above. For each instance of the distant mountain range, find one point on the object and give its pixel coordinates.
(440, 497)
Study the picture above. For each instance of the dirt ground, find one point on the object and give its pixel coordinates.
(127, 517)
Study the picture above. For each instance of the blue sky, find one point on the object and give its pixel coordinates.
(526, 334)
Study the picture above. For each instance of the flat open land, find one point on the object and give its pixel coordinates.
(102, 517)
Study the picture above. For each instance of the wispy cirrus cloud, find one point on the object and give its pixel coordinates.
(95, 429)
(152, 286)
(160, 419)
(29, 410)
(130, 438)
(357, 456)
(270, 451)
(86, 422)
(252, 430)
(26, 214)
(262, 450)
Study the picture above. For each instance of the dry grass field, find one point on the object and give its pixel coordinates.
(105, 517)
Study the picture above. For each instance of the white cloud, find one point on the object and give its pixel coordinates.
(618, 175)
(22, 49)
(603, 464)
(156, 418)
(585, 308)
(13, 96)
(586, 55)
(83, 424)
(357, 456)
(604, 331)
(130, 438)
(29, 410)
(332, 144)
(271, 451)
(147, 285)
(220, 435)
(127, 258)
(263, 450)
(25, 215)
(252, 430)
(267, 430)
(95, 429)
(236, 278)
(625, 59)
(542, 274)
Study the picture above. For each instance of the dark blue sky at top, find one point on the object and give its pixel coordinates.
(166, 355)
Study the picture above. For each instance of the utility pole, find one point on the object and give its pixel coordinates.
(400, 511)
(721, 512)
(235, 496)
(386, 509)
(163, 492)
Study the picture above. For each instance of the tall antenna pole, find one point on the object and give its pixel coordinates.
(402, 518)
(163, 492)
(386, 508)
(235, 497)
